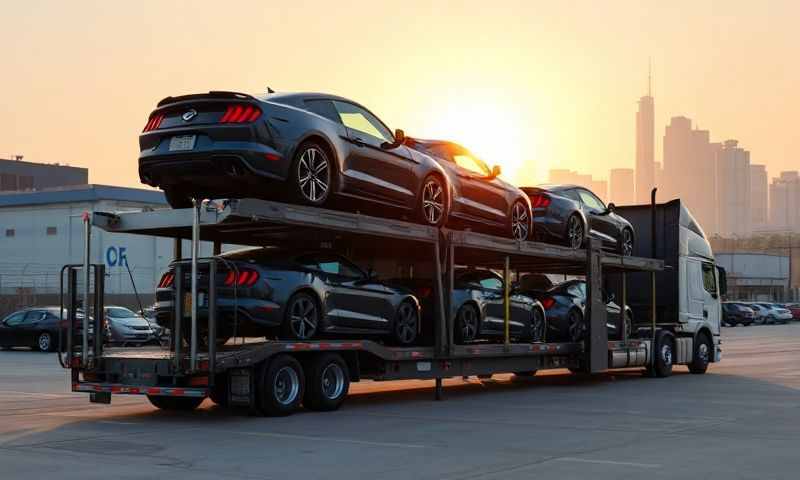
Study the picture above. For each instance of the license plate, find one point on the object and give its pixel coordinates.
(202, 301)
(181, 143)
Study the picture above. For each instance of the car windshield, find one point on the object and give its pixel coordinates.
(120, 312)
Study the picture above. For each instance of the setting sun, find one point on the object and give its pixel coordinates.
(491, 128)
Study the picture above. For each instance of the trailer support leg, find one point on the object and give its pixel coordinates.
(506, 302)
(438, 389)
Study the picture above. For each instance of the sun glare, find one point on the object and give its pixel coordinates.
(492, 130)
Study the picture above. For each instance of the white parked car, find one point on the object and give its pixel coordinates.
(770, 313)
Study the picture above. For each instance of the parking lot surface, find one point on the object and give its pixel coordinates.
(741, 420)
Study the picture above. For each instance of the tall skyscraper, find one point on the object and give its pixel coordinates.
(733, 189)
(784, 201)
(621, 186)
(645, 140)
(689, 170)
(759, 192)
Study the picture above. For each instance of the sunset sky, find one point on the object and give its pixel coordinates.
(528, 85)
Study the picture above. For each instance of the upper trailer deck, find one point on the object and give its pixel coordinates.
(262, 223)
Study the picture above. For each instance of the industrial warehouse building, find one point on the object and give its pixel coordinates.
(757, 276)
(40, 231)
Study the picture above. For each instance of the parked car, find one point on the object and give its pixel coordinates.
(299, 296)
(477, 302)
(795, 309)
(34, 327)
(565, 307)
(479, 197)
(125, 327)
(734, 313)
(569, 214)
(149, 314)
(770, 313)
(301, 147)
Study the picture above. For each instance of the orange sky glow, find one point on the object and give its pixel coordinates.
(527, 85)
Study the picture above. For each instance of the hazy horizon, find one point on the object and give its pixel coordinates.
(531, 86)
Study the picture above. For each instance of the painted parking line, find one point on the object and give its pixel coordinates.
(327, 439)
(606, 462)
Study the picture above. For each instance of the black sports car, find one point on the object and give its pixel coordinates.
(569, 214)
(479, 196)
(478, 307)
(304, 147)
(297, 296)
(565, 305)
(34, 327)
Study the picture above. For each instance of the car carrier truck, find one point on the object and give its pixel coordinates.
(672, 325)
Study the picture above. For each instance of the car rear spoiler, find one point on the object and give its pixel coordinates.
(211, 94)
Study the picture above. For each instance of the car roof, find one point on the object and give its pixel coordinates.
(298, 96)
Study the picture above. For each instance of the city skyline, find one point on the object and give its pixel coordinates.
(531, 87)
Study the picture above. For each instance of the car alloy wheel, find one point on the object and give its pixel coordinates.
(575, 326)
(575, 232)
(467, 323)
(405, 328)
(44, 342)
(433, 201)
(520, 221)
(627, 243)
(537, 326)
(303, 319)
(314, 175)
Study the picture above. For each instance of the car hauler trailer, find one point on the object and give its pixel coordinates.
(274, 377)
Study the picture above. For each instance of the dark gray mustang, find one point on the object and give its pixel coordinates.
(308, 148)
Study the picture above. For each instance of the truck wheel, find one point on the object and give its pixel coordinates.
(281, 386)
(327, 383)
(175, 403)
(665, 353)
(701, 356)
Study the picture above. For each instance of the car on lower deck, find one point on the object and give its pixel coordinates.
(479, 198)
(478, 308)
(565, 308)
(570, 214)
(124, 327)
(297, 296)
(309, 148)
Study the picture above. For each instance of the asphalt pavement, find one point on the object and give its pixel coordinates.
(740, 420)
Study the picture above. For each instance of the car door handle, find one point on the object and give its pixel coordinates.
(705, 313)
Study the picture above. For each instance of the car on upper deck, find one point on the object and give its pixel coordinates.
(570, 214)
(307, 148)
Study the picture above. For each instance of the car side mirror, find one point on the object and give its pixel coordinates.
(610, 208)
(399, 139)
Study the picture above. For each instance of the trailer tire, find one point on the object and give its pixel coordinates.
(184, 404)
(701, 356)
(281, 386)
(665, 354)
(327, 383)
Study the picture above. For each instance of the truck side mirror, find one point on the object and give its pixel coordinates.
(722, 275)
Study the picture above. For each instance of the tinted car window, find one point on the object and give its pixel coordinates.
(331, 265)
(591, 201)
(119, 312)
(15, 319)
(483, 280)
(34, 316)
(468, 162)
(323, 108)
(359, 119)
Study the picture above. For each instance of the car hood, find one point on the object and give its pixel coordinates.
(129, 322)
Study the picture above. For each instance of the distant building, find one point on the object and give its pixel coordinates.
(18, 175)
(784, 208)
(759, 197)
(756, 276)
(621, 186)
(645, 148)
(733, 190)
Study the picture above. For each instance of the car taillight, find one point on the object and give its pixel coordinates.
(540, 201)
(166, 280)
(245, 278)
(154, 122)
(240, 114)
(425, 292)
(548, 303)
